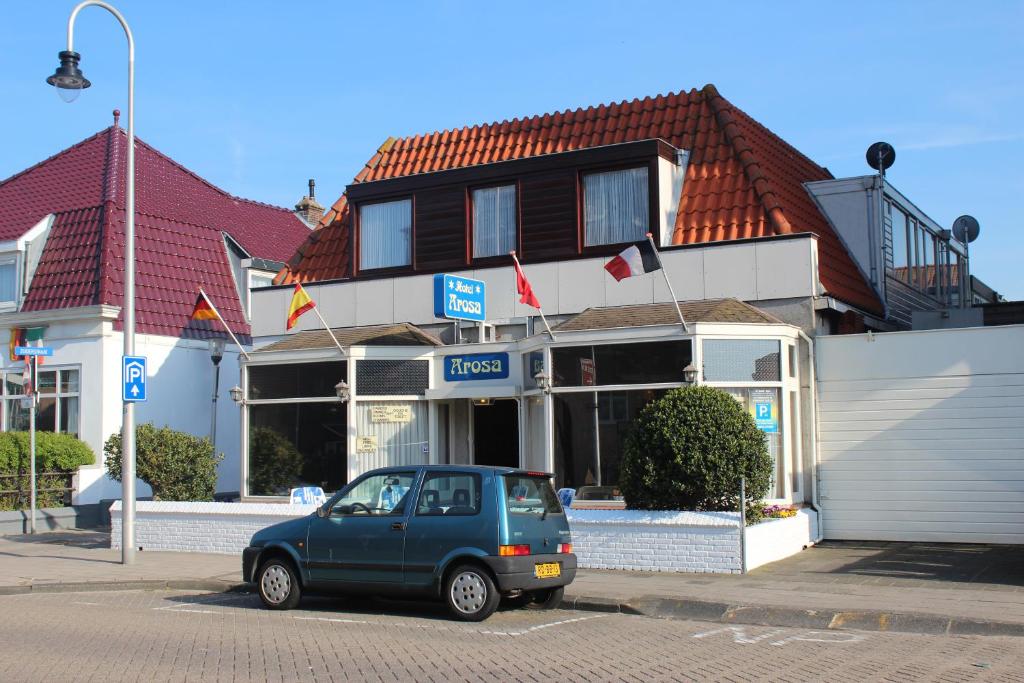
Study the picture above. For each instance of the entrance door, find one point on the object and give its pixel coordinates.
(496, 433)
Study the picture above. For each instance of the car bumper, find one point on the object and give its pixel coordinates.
(517, 573)
(249, 557)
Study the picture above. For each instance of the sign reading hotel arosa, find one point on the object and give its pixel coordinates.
(470, 366)
(459, 298)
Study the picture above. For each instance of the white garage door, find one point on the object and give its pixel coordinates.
(922, 435)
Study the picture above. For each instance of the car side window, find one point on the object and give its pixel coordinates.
(450, 494)
(379, 494)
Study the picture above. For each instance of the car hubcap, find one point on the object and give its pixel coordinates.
(276, 584)
(468, 592)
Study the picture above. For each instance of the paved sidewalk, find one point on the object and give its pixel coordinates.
(917, 588)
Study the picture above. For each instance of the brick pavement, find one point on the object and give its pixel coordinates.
(179, 636)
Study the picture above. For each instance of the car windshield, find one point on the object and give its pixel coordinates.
(530, 494)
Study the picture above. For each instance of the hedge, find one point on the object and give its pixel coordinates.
(176, 465)
(55, 453)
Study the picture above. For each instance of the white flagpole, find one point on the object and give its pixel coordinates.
(539, 308)
(224, 323)
(326, 326)
(650, 238)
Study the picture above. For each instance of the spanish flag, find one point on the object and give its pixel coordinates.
(300, 304)
(204, 310)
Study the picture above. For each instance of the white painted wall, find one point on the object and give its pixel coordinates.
(180, 395)
(922, 435)
(754, 270)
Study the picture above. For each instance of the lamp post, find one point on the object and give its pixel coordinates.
(69, 81)
(216, 355)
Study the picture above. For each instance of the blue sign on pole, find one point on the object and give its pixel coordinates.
(33, 350)
(133, 374)
(473, 366)
(459, 298)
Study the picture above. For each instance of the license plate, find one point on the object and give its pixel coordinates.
(547, 570)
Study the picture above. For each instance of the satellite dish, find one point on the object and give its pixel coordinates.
(881, 156)
(966, 229)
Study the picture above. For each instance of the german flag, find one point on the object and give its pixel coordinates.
(204, 310)
(300, 304)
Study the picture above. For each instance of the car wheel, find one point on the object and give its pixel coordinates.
(549, 598)
(278, 585)
(470, 593)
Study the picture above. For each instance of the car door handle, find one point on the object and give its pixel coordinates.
(398, 526)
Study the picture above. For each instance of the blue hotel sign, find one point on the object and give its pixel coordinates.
(471, 366)
(459, 298)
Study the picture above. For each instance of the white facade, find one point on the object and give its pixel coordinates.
(180, 388)
(922, 435)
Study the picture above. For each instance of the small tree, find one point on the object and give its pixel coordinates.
(688, 450)
(176, 465)
(274, 463)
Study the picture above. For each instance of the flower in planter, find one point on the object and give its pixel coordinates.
(778, 511)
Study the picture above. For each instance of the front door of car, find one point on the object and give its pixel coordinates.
(363, 538)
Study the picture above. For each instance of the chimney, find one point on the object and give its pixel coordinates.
(308, 209)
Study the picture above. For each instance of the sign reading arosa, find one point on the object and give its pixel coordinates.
(459, 298)
(470, 366)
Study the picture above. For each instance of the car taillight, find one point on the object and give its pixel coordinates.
(565, 548)
(511, 550)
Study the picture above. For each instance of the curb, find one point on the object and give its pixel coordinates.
(658, 608)
(760, 615)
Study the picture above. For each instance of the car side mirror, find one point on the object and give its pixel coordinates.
(322, 512)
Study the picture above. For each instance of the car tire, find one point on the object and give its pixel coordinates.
(549, 598)
(470, 593)
(278, 584)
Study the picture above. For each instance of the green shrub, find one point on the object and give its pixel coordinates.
(274, 463)
(687, 451)
(57, 456)
(176, 465)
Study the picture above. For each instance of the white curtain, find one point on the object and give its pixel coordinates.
(8, 281)
(494, 220)
(398, 443)
(385, 235)
(615, 206)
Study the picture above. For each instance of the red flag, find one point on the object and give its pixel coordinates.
(523, 287)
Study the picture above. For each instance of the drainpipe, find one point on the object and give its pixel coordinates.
(815, 503)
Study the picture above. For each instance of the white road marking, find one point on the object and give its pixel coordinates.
(84, 603)
(400, 624)
(740, 635)
(178, 609)
(336, 621)
(541, 626)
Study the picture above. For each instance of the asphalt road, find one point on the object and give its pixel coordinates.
(182, 635)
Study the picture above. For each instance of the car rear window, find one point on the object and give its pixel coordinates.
(530, 494)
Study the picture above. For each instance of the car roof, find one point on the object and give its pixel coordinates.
(462, 468)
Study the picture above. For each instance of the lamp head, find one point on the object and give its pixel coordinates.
(342, 390)
(690, 374)
(236, 394)
(68, 78)
(216, 350)
(543, 381)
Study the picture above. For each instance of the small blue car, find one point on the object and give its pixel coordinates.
(466, 534)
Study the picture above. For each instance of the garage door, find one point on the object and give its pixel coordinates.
(922, 435)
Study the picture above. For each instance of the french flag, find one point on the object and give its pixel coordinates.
(636, 259)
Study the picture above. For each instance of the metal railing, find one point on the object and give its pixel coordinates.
(53, 490)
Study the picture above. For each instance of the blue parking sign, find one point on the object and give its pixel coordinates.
(133, 375)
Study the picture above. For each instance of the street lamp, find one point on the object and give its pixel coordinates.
(543, 381)
(216, 355)
(69, 81)
(343, 392)
(690, 374)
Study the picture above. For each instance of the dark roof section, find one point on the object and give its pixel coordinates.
(402, 334)
(742, 180)
(645, 315)
(179, 223)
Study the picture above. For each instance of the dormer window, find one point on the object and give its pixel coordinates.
(385, 234)
(616, 206)
(9, 280)
(494, 221)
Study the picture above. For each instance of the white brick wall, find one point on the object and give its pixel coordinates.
(706, 542)
(200, 527)
(602, 539)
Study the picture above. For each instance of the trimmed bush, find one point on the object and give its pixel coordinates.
(176, 465)
(687, 451)
(57, 457)
(275, 465)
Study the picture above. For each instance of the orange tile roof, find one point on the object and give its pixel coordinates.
(742, 180)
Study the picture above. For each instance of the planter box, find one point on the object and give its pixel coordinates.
(776, 539)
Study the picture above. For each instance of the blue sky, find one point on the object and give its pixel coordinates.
(259, 96)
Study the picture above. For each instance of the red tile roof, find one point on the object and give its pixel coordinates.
(742, 180)
(179, 245)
